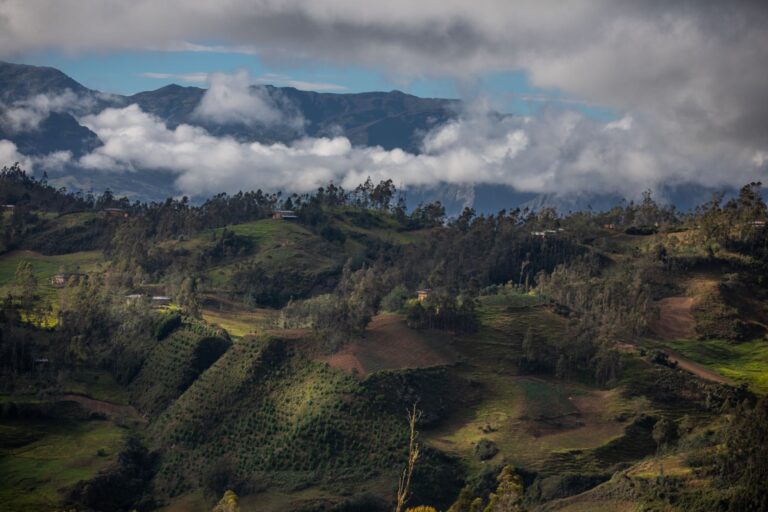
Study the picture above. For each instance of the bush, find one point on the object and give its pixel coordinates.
(333, 234)
(395, 299)
(167, 325)
(485, 449)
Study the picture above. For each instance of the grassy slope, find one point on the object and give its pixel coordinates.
(45, 267)
(529, 418)
(38, 459)
(745, 362)
(281, 246)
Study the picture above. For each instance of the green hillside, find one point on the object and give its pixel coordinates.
(588, 361)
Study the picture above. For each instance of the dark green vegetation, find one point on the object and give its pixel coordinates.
(595, 361)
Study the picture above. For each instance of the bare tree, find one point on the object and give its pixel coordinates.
(414, 450)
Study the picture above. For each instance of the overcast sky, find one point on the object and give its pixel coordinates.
(656, 90)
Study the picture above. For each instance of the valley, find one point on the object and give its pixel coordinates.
(183, 355)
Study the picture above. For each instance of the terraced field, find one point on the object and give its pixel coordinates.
(171, 367)
(274, 411)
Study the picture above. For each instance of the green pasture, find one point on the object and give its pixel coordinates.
(40, 460)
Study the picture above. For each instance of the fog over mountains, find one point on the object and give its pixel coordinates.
(236, 136)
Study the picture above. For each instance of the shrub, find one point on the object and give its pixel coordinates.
(395, 299)
(485, 449)
(167, 325)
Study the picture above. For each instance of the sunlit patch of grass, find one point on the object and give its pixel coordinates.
(237, 322)
(44, 267)
(745, 362)
(44, 320)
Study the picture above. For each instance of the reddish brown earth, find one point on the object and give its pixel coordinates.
(675, 320)
(390, 344)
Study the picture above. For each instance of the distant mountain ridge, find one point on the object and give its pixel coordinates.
(388, 119)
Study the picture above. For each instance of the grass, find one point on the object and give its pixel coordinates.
(517, 414)
(546, 400)
(373, 224)
(745, 362)
(528, 418)
(44, 267)
(97, 384)
(281, 246)
(58, 455)
(237, 322)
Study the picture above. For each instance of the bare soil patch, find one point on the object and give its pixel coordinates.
(389, 344)
(674, 320)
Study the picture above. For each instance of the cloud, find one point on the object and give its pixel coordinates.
(9, 154)
(560, 152)
(698, 64)
(199, 77)
(26, 115)
(277, 79)
(230, 99)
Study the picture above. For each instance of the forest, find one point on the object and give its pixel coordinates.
(365, 356)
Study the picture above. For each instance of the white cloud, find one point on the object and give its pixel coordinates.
(560, 152)
(700, 65)
(230, 99)
(690, 74)
(199, 77)
(26, 115)
(9, 154)
(283, 80)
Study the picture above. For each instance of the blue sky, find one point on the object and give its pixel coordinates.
(129, 72)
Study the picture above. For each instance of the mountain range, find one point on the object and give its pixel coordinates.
(387, 119)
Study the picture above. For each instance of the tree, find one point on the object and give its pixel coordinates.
(743, 463)
(414, 451)
(509, 494)
(26, 283)
(228, 503)
(187, 298)
(664, 432)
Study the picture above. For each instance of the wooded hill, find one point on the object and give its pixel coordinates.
(154, 356)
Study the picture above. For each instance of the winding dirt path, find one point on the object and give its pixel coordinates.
(697, 369)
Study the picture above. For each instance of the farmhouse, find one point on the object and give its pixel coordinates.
(284, 214)
(61, 279)
(423, 294)
(9, 207)
(545, 233)
(160, 300)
